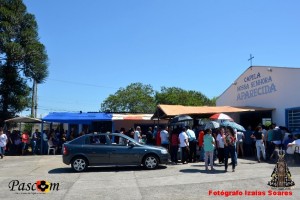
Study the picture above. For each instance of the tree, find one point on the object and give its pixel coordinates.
(178, 96)
(214, 101)
(22, 57)
(140, 98)
(135, 98)
(14, 92)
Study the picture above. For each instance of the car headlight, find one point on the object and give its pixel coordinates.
(164, 151)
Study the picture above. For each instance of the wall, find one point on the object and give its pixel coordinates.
(268, 87)
(127, 124)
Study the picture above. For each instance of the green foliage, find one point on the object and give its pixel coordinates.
(178, 96)
(214, 101)
(28, 127)
(22, 57)
(136, 98)
(14, 92)
(141, 98)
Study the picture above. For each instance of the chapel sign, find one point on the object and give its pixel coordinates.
(255, 85)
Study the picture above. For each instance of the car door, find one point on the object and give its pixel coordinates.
(97, 150)
(124, 154)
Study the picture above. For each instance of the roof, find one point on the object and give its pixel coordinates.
(24, 120)
(131, 116)
(77, 118)
(88, 118)
(166, 111)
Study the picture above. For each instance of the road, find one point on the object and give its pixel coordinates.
(18, 176)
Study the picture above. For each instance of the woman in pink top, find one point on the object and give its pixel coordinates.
(25, 142)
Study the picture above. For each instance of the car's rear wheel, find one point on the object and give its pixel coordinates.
(150, 162)
(79, 164)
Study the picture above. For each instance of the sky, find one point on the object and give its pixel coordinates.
(96, 47)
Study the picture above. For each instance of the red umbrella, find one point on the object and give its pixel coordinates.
(220, 116)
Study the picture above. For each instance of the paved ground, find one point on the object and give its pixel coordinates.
(188, 181)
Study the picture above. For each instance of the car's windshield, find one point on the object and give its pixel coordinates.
(121, 139)
(107, 139)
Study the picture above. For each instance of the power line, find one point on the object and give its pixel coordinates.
(80, 83)
(57, 109)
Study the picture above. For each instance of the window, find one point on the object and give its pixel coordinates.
(119, 140)
(98, 139)
(293, 119)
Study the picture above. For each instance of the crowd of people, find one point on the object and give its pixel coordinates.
(183, 143)
(210, 145)
(36, 143)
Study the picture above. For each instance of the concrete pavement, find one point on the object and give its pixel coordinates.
(18, 176)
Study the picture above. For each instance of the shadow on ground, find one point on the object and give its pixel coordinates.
(216, 171)
(102, 169)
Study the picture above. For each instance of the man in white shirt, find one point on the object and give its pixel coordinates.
(293, 151)
(295, 144)
(44, 140)
(184, 143)
(220, 145)
(3, 142)
(137, 134)
(164, 136)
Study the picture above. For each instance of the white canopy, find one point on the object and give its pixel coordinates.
(24, 119)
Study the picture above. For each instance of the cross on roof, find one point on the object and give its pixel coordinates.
(250, 59)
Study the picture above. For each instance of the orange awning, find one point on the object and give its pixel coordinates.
(169, 111)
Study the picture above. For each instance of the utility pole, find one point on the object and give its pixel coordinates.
(34, 100)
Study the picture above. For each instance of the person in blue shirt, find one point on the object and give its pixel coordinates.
(209, 146)
(192, 144)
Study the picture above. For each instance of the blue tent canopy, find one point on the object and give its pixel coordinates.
(77, 118)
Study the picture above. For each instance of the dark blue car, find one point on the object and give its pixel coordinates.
(111, 149)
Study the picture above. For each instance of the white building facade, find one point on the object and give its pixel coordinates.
(268, 87)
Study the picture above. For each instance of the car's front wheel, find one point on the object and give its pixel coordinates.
(79, 164)
(150, 162)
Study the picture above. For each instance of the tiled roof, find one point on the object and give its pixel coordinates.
(165, 111)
